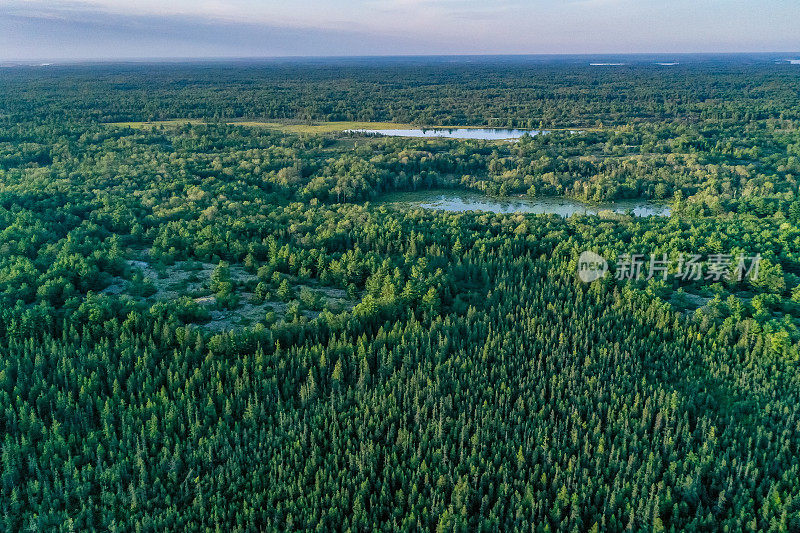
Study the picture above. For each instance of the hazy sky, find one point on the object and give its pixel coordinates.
(90, 29)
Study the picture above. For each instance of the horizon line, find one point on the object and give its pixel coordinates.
(145, 59)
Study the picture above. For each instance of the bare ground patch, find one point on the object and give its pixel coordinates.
(152, 282)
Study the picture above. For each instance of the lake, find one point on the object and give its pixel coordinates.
(491, 134)
(459, 201)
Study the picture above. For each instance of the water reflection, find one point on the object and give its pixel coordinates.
(491, 134)
(459, 201)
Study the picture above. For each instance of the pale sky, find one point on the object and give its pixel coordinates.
(116, 29)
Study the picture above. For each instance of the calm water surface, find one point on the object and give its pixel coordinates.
(492, 134)
(565, 207)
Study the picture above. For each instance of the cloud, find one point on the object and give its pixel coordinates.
(91, 34)
(73, 29)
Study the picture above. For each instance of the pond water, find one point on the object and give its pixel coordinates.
(565, 207)
(492, 134)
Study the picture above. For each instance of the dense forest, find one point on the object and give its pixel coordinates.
(212, 322)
